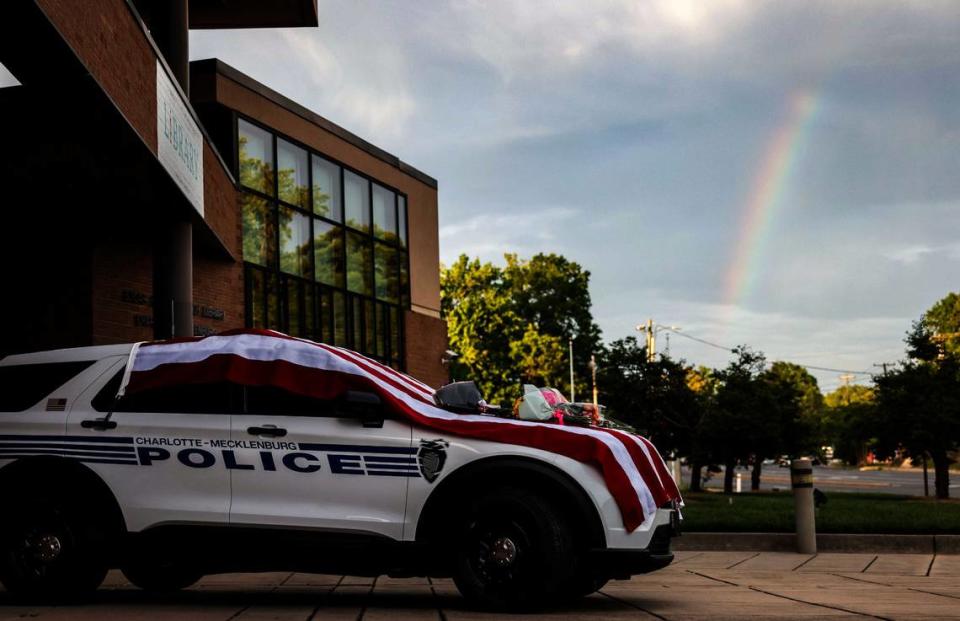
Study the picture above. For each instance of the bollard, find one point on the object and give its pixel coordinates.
(801, 478)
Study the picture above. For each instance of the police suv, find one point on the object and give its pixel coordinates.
(171, 484)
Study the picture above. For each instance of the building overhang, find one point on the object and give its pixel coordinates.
(216, 14)
(67, 143)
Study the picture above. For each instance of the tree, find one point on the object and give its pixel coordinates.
(511, 324)
(740, 423)
(653, 396)
(849, 421)
(703, 382)
(918, 406)
(794, 405)
(552, 293)
(942, 321)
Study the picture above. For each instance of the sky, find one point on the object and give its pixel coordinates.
(779, 174)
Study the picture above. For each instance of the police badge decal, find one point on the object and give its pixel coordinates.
(431, 457)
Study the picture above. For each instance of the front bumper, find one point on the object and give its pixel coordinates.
(620, 564)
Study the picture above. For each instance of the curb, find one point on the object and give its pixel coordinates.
(826, 542)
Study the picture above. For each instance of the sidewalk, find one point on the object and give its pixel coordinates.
(699, 585)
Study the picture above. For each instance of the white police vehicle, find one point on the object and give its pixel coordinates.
(198, 479)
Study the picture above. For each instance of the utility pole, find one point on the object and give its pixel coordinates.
(573, 392)
(648, 331)
(846, 378)
(593, 372)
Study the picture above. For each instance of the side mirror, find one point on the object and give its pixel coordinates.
(366, 406)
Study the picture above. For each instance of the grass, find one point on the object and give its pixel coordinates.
(772, 512)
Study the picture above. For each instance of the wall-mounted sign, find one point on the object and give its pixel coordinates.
(179, 141)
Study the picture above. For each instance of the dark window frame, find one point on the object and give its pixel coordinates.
(319, 321)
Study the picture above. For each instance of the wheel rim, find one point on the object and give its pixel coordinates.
(39, 548)
(499, 551)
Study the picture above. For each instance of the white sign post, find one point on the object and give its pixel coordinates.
(179, 141)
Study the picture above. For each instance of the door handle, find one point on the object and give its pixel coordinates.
(270, 431)
(100, 424)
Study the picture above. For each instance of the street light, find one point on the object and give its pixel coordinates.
(651, 329)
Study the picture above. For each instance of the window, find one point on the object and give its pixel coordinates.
(292, 175)
(273, 401)
(324, 247)
(211, 398)
(256, 158)
(384, 213)
(326, 189)
(356, 194)
(295, 243)
(26, 385)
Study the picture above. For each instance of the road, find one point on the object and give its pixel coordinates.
(908, 482)
(699, 585)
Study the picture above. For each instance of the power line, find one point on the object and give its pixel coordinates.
(731, 350)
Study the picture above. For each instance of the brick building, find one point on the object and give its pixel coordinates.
(148, 197)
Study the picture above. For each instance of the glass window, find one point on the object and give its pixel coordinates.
(384, 214)
(294, 307)
(326, 189)
(25, 385)
(383, 330)
(256, 292)
(387, 273)
(404, 281)
(256, 157)
(208, 398)
(259, 230)
(325, 248)
(359, 264)
(356, 195)
(310, 330)
(402, 214)
(369, 323)
(273, 302)
(292, 176)
(395, 333)
(328, 253)
(339, 319)
(294, 242)
(273, 401)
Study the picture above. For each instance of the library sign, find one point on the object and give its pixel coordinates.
(179, 141)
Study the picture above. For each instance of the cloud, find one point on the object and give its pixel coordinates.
(524, 233)
(627, 135)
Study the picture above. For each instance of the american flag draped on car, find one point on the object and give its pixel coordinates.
(632, 468)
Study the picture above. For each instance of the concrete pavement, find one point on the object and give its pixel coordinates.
(699, 585)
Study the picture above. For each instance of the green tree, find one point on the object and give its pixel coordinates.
(704, 384)
(511, 324)
(918, 406)
(794, 407)
(552, 293)
(849, 421)
(743, 421)
(942, 321)
(652, 396)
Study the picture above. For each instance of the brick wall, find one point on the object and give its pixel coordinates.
(426, 341)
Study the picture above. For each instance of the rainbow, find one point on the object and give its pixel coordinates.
(766, 194)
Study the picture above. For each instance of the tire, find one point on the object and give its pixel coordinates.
(161, 577)
(582, 585)
(512, 551)
(52, 548)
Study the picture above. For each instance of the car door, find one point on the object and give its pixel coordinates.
(308, 463)
(173, 469)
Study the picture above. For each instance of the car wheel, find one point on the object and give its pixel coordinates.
(583, 585)
(161, 577)
(513, 550)
(51, 549)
